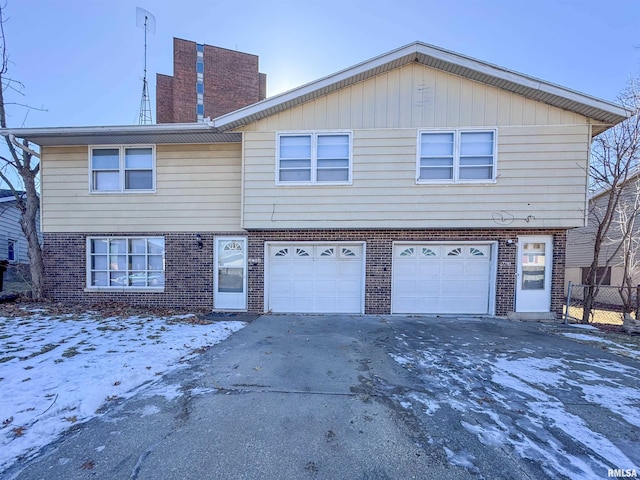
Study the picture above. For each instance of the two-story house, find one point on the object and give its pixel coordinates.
(420, 181)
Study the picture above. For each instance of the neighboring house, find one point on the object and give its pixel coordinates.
(580, 241)
(420, 181)
(13, 244)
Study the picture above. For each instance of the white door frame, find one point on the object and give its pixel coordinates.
(230, 300)
(534, 298)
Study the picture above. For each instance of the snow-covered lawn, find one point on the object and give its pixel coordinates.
(59, 370)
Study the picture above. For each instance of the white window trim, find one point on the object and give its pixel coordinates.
(121, 149)
(103, 288)
(456, 156)
(16, 255)
(314, 154)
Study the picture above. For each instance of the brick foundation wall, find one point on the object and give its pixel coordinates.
(189, 270)
(379, 252)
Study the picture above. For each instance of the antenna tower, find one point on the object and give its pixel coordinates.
(147, 21)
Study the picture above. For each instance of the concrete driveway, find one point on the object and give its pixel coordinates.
(370, 397)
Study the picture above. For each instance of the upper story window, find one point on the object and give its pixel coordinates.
(122, 169)
(314, 158)
(457, 156)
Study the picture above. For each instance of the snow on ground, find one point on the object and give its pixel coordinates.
(57, 371)
(628, 350)
(517, 403)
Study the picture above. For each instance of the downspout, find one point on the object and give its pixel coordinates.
(13, 140)
(242, 180)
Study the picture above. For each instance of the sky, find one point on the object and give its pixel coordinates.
(81, 61)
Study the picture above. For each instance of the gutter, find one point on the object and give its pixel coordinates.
(110, 130)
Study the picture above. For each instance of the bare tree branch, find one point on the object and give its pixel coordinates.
(615, 160)
(20, 160)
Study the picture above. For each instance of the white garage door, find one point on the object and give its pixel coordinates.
(430, 278)
(315, 278)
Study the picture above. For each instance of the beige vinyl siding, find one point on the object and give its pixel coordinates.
(415, 96)
(541, 162)
(541, 184)
(198, 188)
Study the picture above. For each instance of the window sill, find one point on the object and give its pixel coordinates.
(451, 182)
(125, 289)
(121, 192)
(317, 184)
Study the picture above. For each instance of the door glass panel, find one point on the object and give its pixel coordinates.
(230, 266)
(533, 266)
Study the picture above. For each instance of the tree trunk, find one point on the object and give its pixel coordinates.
(28, 222)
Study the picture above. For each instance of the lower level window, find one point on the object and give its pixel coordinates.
(125, 262)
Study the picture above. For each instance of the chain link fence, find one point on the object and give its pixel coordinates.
(608, 304)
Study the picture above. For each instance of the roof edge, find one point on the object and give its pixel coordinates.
(110, 129)
(422, 53)
(125, 134)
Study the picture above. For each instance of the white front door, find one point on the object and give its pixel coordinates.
(230, 278)
(535, 259)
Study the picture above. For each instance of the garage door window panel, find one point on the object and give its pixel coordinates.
(350, 252)
(326, 253)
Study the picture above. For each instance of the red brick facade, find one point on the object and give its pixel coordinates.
(164, 90)
(189, 270)
(231, 81)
